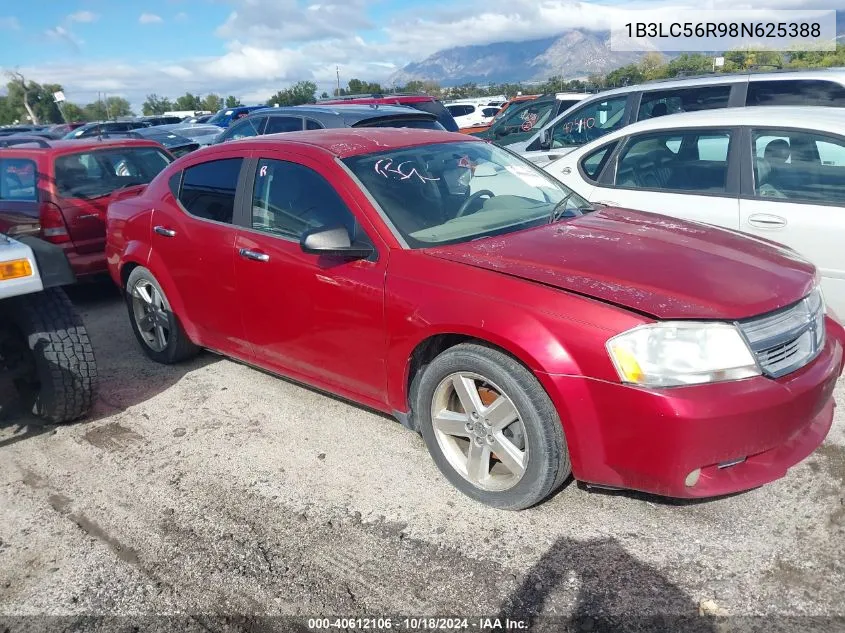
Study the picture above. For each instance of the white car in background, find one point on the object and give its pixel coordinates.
(468, 114)
(611, 110)
(773, 172)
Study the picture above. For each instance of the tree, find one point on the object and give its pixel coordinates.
(95, 111)
(73, 112)
(232, 102)
(8, 114)
(212, 103)
(188, 102)
(414, 86)
(299, 93)
(117, 107)
(156, 105)
(324, 95)
(21, 89)
(652, 65)
(357, 87)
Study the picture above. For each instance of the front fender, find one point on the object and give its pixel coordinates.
(519, 334)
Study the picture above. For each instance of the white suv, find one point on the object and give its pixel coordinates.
(777, 173)
(614, 109)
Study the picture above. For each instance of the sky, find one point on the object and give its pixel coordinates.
(252, 48)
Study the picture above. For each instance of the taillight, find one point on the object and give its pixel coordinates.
(53, 227)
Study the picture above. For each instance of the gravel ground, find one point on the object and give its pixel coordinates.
(210, 490)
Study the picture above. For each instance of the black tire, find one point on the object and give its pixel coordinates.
(548, 464)
(179, 346)
(59, 381)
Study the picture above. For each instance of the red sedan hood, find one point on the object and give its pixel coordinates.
(653, 264)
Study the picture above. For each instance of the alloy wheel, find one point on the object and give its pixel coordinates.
(150, 313)
(479, 430)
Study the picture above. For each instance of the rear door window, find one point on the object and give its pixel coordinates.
(244, 129)
(461, 110)
(657, 103)
(279, 124)
(694, 161)
(812, 92)
(799, 166)
(18, 181)
(208, 189)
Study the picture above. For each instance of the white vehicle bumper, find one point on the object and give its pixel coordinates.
(10, 251)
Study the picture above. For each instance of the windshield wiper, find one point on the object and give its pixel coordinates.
(553, 214)
(556, 215)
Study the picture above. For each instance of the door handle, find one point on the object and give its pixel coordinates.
(163, 230)
(766, 221)
(254, 255)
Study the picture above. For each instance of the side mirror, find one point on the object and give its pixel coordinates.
(546, 139)
(334, 242)
(502, 130)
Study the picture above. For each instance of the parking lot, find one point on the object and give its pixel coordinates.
(214, 488)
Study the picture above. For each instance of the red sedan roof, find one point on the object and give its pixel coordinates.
(344, 142)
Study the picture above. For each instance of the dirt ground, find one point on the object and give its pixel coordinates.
(213, 497)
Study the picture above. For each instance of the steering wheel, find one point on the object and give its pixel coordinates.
(473, 198)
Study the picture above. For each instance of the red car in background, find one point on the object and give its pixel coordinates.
(526, 334)
(59, 190)
(424, 103)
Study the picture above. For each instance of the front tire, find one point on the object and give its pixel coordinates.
(47, 347)
(491, 428)
(155, 325)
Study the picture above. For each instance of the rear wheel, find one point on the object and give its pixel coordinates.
(46, 349)
(491, 428)
(155, 325)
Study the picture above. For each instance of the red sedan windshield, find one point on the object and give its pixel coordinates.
(454, 192)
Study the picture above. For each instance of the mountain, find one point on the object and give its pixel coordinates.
(575, 53)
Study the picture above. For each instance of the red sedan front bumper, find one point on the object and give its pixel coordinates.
(653, 439)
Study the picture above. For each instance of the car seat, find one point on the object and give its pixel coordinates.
(409, 198)
(777, 151)
(71, 174)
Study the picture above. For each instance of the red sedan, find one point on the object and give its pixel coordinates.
(527, 335)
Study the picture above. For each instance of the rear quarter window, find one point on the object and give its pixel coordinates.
(437, 109)
(99, 172)
(420, 124)
(19, 178)
(812, 92)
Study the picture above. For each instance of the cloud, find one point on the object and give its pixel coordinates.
(181, 16)
(83, 17)
(150, 18)
(9, 23)
(61, 34)
(270, 44)
(271, 21)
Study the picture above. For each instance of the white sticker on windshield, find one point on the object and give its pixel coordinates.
(527, 175)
